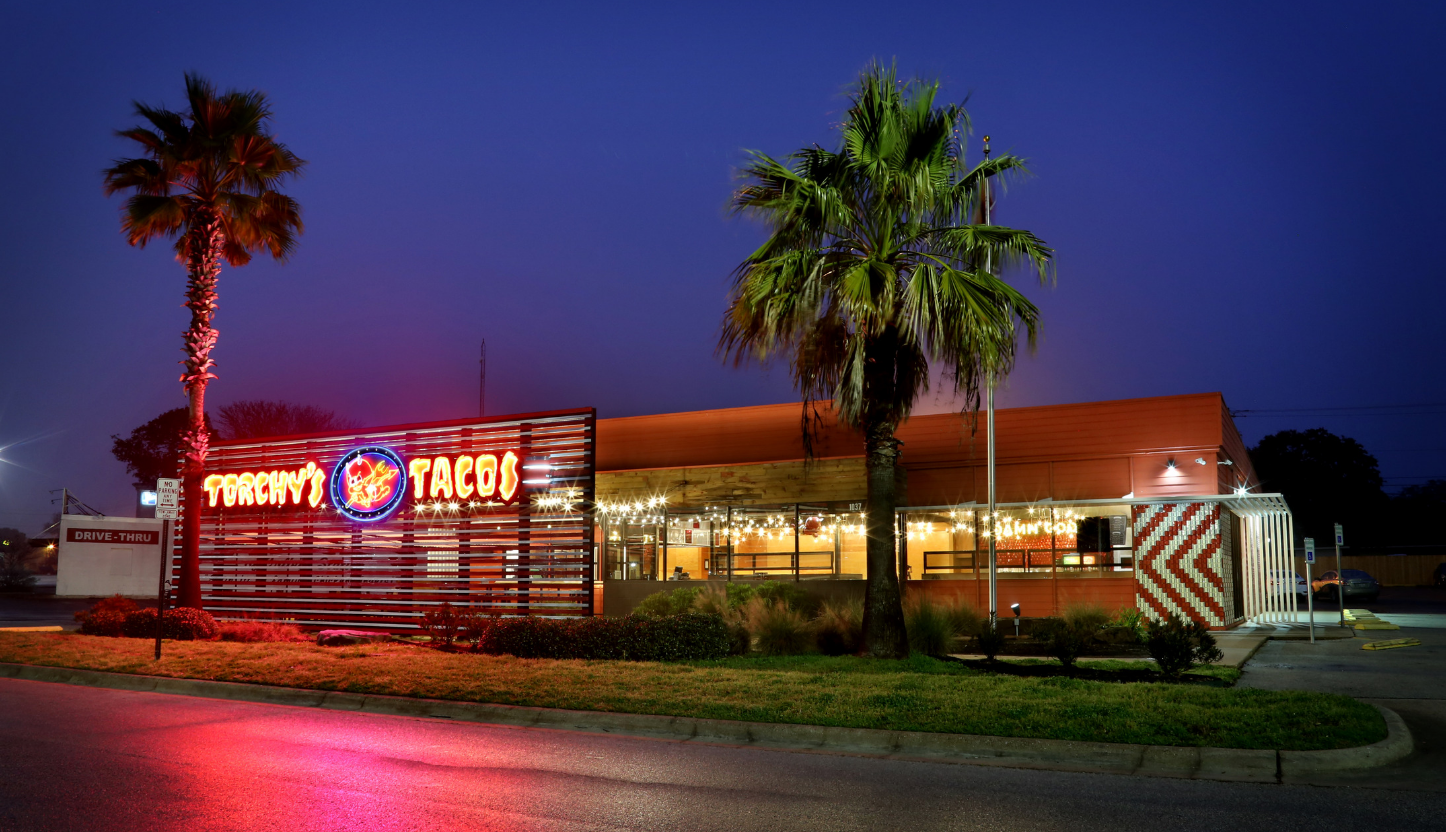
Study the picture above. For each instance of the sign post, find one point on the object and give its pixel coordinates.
(1309, 595)
(168, 501)
(1340, 574)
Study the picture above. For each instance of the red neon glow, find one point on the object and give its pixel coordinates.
(370, 481)
(265, 488)
(464, 467)
(486, 475)
(441, 478)
(417, 470)
(510, 479)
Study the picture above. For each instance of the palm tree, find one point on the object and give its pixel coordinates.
(877, 266)
(208, 177)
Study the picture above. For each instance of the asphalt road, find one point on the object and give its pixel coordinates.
(1409, 680)
(83, 759)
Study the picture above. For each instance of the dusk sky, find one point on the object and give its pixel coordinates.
(1244, 199)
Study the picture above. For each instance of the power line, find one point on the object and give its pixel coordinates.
(1419, 408)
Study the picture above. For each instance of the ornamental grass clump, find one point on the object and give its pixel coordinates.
(777, 629)
(839, 628)
(257, 632)
(936, 626)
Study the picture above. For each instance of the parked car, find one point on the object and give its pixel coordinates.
(1358, 584)
(1438, 578)
(1280, 579)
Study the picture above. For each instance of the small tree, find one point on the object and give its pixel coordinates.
(14, 550)
(154, 449)
(254, 418)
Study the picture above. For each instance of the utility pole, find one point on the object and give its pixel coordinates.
(482, 383)
(989, 383)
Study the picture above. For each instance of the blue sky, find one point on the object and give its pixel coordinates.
(1243, 198)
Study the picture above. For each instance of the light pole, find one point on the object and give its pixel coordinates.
(989, 406)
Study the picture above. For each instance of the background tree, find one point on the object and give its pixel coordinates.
(1326, 479)
(254, 418)
(207, 176)
(872, 270)
(1417, 515)
(14, 551)
(153, 450)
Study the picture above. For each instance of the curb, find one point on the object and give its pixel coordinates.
(1231, 764)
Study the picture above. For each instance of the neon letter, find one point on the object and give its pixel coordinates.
(441, 478)
(486, 475)
(261, 484)
(229, 487)
(509, 477)
(464, 467)
(417, 470)
(294, 482)
(244, 484)
(212, 485)
(318, 484)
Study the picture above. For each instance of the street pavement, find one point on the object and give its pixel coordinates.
(86, 759)
(1409, 680)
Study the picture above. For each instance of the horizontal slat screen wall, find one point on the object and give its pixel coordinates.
(316, 567)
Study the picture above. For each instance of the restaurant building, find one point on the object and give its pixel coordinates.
(1150, 503)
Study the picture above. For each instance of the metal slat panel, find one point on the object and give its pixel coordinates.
(314, 566)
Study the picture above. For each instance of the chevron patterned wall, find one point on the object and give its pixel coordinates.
(1182, 565)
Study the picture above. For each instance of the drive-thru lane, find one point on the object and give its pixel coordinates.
(82, 758)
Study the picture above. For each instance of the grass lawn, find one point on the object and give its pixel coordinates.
(919, 694)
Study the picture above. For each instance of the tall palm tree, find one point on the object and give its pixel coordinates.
(208, 177)
(876, 266)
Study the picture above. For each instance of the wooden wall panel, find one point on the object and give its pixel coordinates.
(1091, 479)
(824, 480)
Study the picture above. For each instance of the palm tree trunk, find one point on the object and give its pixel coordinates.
(203, 266)
(884, 633)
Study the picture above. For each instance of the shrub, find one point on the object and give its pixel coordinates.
(182, 624)
(777, 629)
(676, 602)
(106, 617)
(1074, 632)
(931, 630)
(990, 640)
(632, 637)
(1177, 645)
(839, 628)
(251, 632)
(442, 624)
(789, 594)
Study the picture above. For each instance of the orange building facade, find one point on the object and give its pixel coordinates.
(1140, 502)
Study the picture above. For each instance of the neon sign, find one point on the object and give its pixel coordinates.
(368, 483)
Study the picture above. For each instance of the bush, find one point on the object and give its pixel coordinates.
(839, 628)
(777, 629)
(789, 594)
(252, 632)
(1127, 626)
(1072, 633)
(633, 638)
(182, 624)
(990, 640)
(676, 602)
(443, 624)
(1177, 645)
(106, 617)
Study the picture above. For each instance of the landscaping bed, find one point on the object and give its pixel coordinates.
(918, 694)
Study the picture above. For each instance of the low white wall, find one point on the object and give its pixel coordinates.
(108, 556)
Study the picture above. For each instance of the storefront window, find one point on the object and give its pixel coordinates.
(1032, 541)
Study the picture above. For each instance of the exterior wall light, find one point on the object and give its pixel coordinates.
(1199, 460)
(1170, 463)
